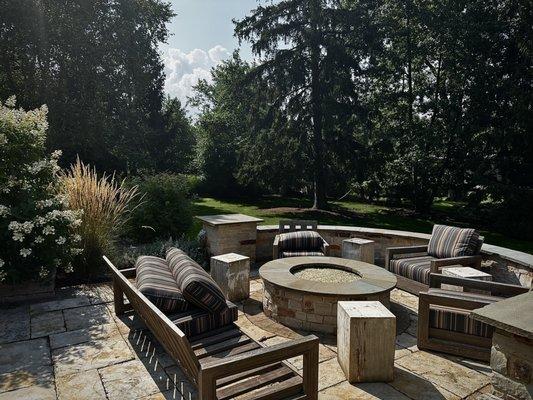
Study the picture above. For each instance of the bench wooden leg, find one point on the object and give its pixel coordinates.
(118, 296)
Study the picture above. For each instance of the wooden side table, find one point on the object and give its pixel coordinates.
(358, 249)
(366, 334)
(232, 273)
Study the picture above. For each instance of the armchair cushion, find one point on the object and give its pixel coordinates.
(457, 320)
(449, 241)
(415, 268)
(197, 286)
(154, 279)
(197, 321)
(301, 241)
(285, 254)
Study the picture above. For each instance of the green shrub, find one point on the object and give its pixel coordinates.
(166, 210)
(36, 224)
(158, 248)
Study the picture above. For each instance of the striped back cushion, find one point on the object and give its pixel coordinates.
(458, 321)
(449, 241)
(198, 287)
(302, 240)
(155, 281)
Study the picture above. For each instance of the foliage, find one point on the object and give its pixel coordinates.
(97, 66)
(36, 223)
(166, 209)
(158, 248)
(107, 205)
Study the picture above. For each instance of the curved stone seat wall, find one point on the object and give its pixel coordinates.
(506, 265)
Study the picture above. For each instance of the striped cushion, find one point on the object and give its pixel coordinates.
(449, 241)
(156, 282)
(198, 288)
(302, 240)
(198, 321)
(415, 268)
(286, 254)
(458, 321)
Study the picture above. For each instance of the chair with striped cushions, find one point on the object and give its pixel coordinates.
(300, 243)
(447, 246)
(445, 323)
(197, 286)
(154, 279)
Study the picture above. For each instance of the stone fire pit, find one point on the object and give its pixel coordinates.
(302, 292)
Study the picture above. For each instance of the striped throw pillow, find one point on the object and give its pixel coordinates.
(198, 287)
(155, 281)
(449, 241)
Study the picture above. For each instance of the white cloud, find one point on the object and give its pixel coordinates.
(184, 70)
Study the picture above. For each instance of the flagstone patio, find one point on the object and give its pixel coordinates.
(74, 347)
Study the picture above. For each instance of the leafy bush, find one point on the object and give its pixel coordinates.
(166, 210)
(158, 248)
(35, 222)
(107, 205)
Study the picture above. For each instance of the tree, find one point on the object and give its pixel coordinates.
(307, 66)
(97, 67)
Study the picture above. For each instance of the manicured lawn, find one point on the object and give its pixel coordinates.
(272, 209)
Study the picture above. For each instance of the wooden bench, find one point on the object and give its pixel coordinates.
(225, 363)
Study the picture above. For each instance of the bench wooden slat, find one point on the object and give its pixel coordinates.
(276, 391)
(254, 382)
(243, 375)
(234, 351)
(221, 346)
(206, 341)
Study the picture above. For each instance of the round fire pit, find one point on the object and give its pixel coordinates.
(302, 292)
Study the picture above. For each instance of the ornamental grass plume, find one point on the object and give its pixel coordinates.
(107, 205)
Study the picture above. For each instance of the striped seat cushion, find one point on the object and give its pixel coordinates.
(449, 241)
(155, 281)
(458, 321)
(300, 241)
(286, 254)
(415, 268)
(198, 321)
(198, 288)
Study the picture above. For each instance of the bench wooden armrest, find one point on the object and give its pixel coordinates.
(275, 248)
(307, 346)
(129, 272)
(495, 288)
(467, 261)
(392, 251)
(456, 300)
(325, 248)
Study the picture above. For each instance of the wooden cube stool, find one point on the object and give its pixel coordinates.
(358, 249)
(232, 273)
(366, 334)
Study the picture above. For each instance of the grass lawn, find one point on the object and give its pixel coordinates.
(272, 209)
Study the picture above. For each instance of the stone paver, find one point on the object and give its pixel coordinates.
(47, 323)
(132, 377)
(85, 385)
(101, 356)
(84, 317)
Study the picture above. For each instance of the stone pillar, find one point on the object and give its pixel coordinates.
(232, 273)
(231, 233)
(511, 360)
(366, 333)
(358, 249)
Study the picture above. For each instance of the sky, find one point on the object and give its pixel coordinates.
(201, 37)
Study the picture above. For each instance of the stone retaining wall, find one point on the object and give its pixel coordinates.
(506, 265)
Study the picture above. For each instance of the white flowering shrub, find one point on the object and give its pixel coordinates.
(36, 225)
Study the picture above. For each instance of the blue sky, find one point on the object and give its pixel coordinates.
(201, 37)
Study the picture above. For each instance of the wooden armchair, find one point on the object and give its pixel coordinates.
(414, 265)
(444, 321)
(298, 238)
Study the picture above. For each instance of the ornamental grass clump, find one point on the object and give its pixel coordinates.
(106, 204)
(36, 224)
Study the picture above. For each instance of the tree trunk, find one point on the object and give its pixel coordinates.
(319, 179)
